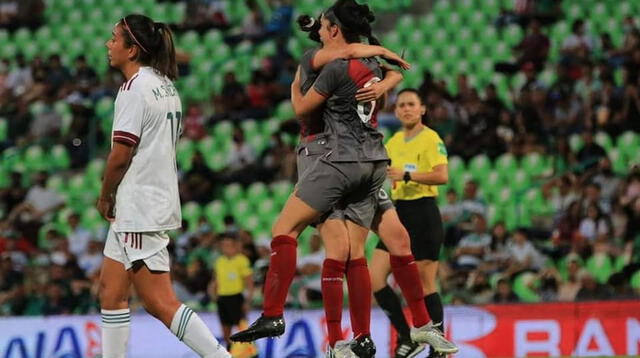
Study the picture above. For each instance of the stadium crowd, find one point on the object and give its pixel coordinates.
(585, 246)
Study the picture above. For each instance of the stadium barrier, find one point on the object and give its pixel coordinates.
(516, 330)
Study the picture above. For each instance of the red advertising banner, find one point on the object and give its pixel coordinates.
(546, 330)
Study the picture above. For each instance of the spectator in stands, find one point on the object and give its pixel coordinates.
(279, 160)
(202, 15)
(523, 256)
(252, 28)
(481, 291)
(78, 237)
(309, 268)
(591, 290)
(473, 247)
(578, 45)
(591, 152)
(534, 48)
(91, 261)
(14, 193)
(259, 92)
(38, 207)
(233, 98)
(504, 293)
(194, 123)
(198, 183)
(84, 77)
(241, 160)
(47, 123)
(20, 78)
(452, 211)
(58, 75)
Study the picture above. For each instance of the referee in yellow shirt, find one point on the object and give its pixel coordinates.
(232, 275)
(418, 165)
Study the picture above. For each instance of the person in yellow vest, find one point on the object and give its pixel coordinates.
(418, 165)
(232, 276)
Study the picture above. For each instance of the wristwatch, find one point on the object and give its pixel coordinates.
(406, 177)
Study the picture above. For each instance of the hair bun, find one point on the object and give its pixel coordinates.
(306, 22)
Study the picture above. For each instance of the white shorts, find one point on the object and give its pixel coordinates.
(129, 247)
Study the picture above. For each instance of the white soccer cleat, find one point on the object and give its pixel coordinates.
(342, 349)
(432, 336)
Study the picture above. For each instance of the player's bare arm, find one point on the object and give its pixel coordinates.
(376, 90)
(116, 167)
(354, 50)
(304, 105)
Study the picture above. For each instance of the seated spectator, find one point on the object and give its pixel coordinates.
(578, 45)
(523, 256)
(79, 237)
(591, 152)
(594, 226)
(591, 290)
(481, 291)
(21, 13)
(14, 193)
(37, 208)
(451, 211)
(240, 160)
(198, 183)
(58, 75)
(504, 293)
(232, 99)
(473, 247)
(91, 261)
(194, 123)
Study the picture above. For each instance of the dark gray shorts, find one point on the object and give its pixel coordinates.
(341, 190)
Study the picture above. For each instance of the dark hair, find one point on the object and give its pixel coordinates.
(412, 90)
(311, 25)
(155, 41)
(354, 21)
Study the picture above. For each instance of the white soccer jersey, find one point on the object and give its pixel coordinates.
(148, 114)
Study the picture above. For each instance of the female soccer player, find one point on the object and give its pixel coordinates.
(139, 195)
(386, 223)
(419, 164)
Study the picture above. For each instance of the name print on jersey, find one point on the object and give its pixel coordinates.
(167, 90)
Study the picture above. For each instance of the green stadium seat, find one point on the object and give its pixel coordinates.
(600, 266)
(480, 165)
(629, 143)
(233, 193)
(575, 142)
(59, 157)
(534, 164)
(257, 192)
(56, 183)
(191, 212)
(280, 191)
(603, 139)
(215, 211)
(184, 153)
(4, 130)
(34, 158)
(240, 208)
(525, 285)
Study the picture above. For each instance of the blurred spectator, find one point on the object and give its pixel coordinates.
(591, 290)
(194, 123)
(198, 183)
(504, 293)
(37, 207)
(78, 237)
(58, 75)
(279, 160)
(578, 45)
(252, 28)
(202, 15)
(534, 49)
(309, 269)
(19, 13)
(594, 226)
(240, 160)
(473, 247)
(20, 78)
(523, 256)
(591, 152)
(14, 193)
(452, 211)
(480, 289)
(91, 261)
(233, 98)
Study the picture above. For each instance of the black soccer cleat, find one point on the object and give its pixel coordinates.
(363, 347)
(408, 349)
(263, 327)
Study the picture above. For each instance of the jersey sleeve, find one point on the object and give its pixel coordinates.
(330, 78)
(129, 117)
(436, 150)
(245, 266)
(306, 62)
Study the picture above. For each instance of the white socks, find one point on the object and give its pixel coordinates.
(190, 329)
(115, 332)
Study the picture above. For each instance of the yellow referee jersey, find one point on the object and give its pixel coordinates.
(419, 154)
(230, 274)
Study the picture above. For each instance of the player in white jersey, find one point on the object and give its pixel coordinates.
(139, 195)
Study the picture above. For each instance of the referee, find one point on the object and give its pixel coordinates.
(418, 164)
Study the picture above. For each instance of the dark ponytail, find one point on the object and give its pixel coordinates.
(354, 21)
(310, 25)
(155, 41)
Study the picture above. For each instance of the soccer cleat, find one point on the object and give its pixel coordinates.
(263, 327)
(342, 349)
(408, 349)
(363, 347)
(432, 336)
(435, 354)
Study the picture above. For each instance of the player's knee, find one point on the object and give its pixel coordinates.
(399, 243)
(338, 250)
(111, 297)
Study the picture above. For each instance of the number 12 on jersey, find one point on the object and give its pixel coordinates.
(177, 128)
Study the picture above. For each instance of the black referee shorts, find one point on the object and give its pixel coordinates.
(421, 217)
(230, 309)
